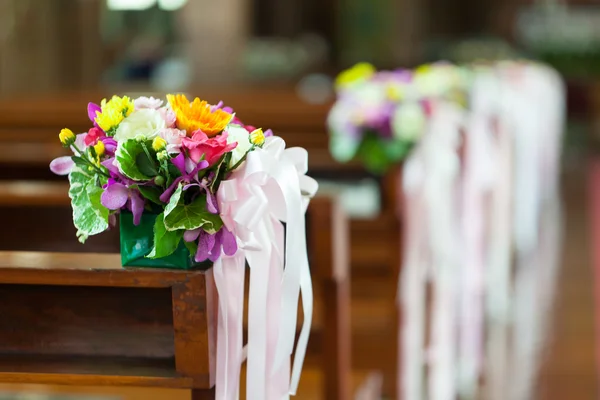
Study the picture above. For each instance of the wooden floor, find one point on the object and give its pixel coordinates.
(568, 361)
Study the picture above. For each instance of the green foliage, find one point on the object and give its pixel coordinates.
(89, 216)
(165, 241)
(151, 193)
(137, 160)
(192, 216)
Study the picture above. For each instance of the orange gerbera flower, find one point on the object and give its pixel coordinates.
(198, 116)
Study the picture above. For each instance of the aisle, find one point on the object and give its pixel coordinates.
(569, 365)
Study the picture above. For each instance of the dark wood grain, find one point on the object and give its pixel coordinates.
(72, 321)
(82, 319)
(91, 371)
(191, 322)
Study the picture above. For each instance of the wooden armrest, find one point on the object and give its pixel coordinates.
(329, 238)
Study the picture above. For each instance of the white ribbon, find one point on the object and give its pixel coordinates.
(268, 189)
(430, 179)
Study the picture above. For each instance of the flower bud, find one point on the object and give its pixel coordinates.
(257, 137)
(67, 137)
(159, 143)
(99, 148)
(162, 155)
(159, 180)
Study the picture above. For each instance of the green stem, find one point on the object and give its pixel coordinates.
(242, 159)
(146, 151)
(83, 156)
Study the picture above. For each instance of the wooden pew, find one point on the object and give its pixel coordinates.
(47, 203)
(81, 319)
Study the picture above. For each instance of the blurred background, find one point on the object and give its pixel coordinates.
(274, 61)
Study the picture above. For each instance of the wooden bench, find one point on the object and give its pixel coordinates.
(82, 319)
(47, 205)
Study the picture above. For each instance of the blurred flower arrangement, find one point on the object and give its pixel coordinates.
(145, 156)
(379, 115)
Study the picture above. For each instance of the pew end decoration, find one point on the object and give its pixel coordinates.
(379, 116)
(195, 187)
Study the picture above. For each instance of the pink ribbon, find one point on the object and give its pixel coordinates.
(268, 189)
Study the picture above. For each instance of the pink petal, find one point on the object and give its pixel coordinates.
(62, 165)
(211, 203)
(137, 206)
(110, 165)
(190, 236)
(115, 196)
(205, 245)
(229, 242)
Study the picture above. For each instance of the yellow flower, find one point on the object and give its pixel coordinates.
(67, 137)
(257, 137)
(159, 143)
(99, 148)
(113, 112)
(359, 72)
(394, 92)
(197, 115)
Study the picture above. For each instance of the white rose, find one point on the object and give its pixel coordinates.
(238, 134)
(144, 124)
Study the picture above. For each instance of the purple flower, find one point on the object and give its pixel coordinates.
(219, 105)
(188, 177)
(210, 246)
(62, 165)
(118, 194)
(110, 145)
(93, 108)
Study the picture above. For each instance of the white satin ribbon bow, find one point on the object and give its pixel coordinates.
(269, 188)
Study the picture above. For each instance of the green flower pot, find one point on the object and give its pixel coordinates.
(137, 243)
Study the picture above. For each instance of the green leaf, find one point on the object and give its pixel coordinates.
(146, 161)
(193, 216)
(372, 152)
(174, 200)
(192, 247)
(396, 150)
(127, 159)
(95, 193)
(80, 162)
(165, 242)
(220, 172)
(90, 217)
(151, 193)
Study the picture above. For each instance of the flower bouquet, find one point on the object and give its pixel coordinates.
(380, 115)
(159, 167)
(193, 186)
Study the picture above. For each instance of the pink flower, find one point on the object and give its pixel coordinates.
(211, 148)
(147, 102)
(93, 135)
(169, 116)
(173, 138)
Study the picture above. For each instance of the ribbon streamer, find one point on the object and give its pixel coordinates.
(269, 188)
